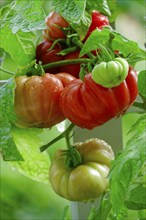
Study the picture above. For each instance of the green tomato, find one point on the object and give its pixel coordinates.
(110, 74)
(88, 180)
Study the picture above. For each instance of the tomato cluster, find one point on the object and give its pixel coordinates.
(105, 92)
(88, 99)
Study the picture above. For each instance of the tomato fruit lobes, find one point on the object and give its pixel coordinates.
(112, 73)
(88, 104)
(37, 99)
(55, 24)
(86, 181)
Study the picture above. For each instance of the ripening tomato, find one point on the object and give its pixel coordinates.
(88, 104)
(37, 99)
(55, 23)
(45, 55)
(86, 181)
(112, 73)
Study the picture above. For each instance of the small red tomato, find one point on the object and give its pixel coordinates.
(48, 56)
(55, 23)
(98, 21)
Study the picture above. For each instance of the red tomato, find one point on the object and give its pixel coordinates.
(37, 99)
(72, 69)
(98, 21)
(55, 23)
(89, 105)
(48, 56)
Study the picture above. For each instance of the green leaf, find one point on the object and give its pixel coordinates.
(8, 67)
(8, 147)
(98, 37)
(129, 49)
(142, 83)
(25, 15)
(72, 11)
(115, 41)
(100, 5)
(35, 164)
(20, 46)
(126, 167)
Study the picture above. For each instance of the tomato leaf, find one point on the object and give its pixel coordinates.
(100, 5)
(35, 164)
(126, 167)
(98, 37)
(19, 21)
(24, 42)
(72, 11)
(110, 38)
(25, 15)
(142, 83)
(7, 117)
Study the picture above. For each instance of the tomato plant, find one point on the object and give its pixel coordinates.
(79, 42)
(86, 181)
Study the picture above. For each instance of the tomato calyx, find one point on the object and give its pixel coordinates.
(73, 157)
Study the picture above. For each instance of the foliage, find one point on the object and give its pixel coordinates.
(22, 23)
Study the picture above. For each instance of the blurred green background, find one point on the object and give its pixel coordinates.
(25, 199)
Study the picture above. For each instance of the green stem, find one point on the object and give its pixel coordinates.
(66, 62)
(68, 50)
(62, 135)
(77, 42)
(7, 71)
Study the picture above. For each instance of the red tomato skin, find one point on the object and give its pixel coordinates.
(89, 105)
(55, 22)
(72, 69)
(37, 99)
(98, 21)
(46, 56)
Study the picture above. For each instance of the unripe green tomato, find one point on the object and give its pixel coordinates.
(86, 181)
(110, 74)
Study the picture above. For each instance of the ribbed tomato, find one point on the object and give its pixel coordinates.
(89, 105)
(37, 99)
(55, 24)
(86, 181)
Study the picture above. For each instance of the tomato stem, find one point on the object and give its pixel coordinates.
(62, 135)
(68, 50)
(66, 62)
(77, 42)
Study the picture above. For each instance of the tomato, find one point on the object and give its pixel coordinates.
(112, 73)
(72, 69)
(88, 180)
(55, 24)
(88, 104)
(45, 55)
(37, 99)
(98, 21)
